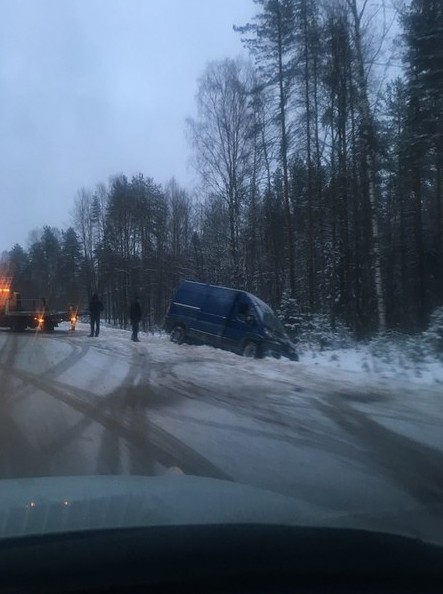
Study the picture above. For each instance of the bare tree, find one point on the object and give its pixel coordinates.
(83, 224)
(368, 142)
(221, 137)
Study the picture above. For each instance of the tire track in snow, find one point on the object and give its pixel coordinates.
(281, 421)
(138, 430)
(415, 467)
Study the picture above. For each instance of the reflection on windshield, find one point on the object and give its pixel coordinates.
(270, 320)
(317, 188)
(273, 324)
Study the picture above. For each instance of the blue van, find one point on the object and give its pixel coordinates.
(227, 318)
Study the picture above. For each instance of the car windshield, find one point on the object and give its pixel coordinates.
(166, 164)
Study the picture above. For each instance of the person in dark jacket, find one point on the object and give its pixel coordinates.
(95, 309)
(135, 315)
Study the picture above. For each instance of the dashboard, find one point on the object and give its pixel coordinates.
(220, 558)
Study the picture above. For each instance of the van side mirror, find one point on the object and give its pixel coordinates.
(250, 319)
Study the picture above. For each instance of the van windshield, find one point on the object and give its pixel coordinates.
(269, 319)
(273, 324)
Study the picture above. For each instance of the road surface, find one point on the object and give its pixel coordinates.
(73, 405)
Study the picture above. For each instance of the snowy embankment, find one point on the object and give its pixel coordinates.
(366, 363)
(371, 367)
(337, 437)
(292, 397)
(394, 363)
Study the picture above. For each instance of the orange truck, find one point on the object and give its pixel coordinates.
(18, 314)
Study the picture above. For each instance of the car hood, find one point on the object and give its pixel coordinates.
(83, 503)
(61, 504)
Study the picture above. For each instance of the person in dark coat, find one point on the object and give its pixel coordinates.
(95, 309)
(135, 315)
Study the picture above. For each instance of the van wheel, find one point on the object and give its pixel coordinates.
(178, 335)
(251, 350)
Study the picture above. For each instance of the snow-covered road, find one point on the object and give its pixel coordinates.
(340, 440)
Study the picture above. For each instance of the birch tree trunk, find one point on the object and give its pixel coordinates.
(367, 137)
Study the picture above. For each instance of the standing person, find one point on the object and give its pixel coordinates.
(95, 309)
(135, 315)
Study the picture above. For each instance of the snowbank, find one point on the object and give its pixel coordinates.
(389, 368)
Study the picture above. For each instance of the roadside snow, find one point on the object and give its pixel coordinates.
(395, 364)
(280, 392)
(392, 370)
(314, 427)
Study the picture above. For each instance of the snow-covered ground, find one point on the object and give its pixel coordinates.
(337, 430)
(281, 392)
(394, 363)
(347, 368)
(391, 363)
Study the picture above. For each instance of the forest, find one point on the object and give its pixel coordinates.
(320, 168)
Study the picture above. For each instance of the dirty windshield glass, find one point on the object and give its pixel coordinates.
(270, 320)
(166, 164)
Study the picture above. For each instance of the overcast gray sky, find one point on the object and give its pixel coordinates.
(91, 88)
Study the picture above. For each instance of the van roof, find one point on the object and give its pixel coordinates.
(207, 285)
(253, 297)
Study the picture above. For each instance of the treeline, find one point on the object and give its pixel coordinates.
(130, 238)
(321, 187)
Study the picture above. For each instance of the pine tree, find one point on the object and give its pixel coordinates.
(221, 137)
(423, 27)
(272, 44)
(69, 269)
